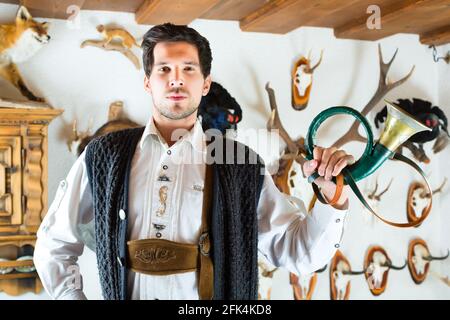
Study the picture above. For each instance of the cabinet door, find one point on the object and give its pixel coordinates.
(10, 181)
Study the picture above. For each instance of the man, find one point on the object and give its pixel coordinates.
(173, 229)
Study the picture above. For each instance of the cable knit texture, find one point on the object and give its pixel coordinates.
(234, 227)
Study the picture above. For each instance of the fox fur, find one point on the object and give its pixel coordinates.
(122, 35)
(18, 43)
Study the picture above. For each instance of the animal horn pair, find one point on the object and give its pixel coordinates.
(431, 258)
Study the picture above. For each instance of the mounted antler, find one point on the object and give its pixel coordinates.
(377, 197)
(293, 147)
(311, 70)
(425, 194)
(384, 86)
(76, 138)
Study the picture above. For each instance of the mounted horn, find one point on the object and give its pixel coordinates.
(322, 269)
(418, 202)
(431, 258)
(418, 267)
(419, 259)
(340, 272)
(303, 286)
(265, 277)
(377, 265)
(391, 266)
(354, 273)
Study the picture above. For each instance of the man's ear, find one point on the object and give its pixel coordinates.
(22, 15)
(147, 85)
(207, 85)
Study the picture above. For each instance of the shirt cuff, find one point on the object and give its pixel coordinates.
(73, 295)
(323, 214)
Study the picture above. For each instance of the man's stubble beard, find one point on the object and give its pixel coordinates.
(165, 110)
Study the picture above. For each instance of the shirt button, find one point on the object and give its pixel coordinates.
(336, 245)
(338, 220)
(165, 167)
(169, 152)
(122, 214)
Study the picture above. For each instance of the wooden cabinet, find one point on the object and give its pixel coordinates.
(23, 190)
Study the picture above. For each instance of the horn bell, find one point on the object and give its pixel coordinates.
(400, 126)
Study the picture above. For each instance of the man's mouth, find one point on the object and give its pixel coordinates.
(177, 97)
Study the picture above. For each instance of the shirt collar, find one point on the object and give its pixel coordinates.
(195, 136)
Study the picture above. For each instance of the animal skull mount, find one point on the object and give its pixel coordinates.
(302, 81)
(418, 200)
(304, 285)
(265, 280)
(374, 199)
(419, 259)
(340, 276)
(377, 265)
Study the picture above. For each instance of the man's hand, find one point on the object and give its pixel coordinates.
(329, 162)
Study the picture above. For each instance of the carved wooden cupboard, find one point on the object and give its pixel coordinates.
(23, 190)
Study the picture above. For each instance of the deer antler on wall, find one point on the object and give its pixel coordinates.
(373, 199)
(384, 86)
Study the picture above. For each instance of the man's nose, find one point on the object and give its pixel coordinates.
(176, 80)
(176, 83)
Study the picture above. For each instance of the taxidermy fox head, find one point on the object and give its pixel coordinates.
(21, 41)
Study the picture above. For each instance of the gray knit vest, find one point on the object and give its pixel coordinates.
(234, 228)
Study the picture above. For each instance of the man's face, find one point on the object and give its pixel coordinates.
(176, 82)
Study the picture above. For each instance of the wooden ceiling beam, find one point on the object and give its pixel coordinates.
(393, 19)
(60, 9)
(176, 11)
(275, 16)
(233, 9)
(113, 5)
(436, 37)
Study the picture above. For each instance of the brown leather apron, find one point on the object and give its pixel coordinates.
(164, 257)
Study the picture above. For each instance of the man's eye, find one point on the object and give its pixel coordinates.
(189, 69)
(164, 69)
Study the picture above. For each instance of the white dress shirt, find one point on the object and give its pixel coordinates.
(287, 237)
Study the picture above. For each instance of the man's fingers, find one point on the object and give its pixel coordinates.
(317, 153)
(309, 167)
(342, 163)
(326, 154)
(335, 158)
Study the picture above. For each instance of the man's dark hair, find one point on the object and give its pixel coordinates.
(169, 32)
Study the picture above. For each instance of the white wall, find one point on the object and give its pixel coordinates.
(84, 82)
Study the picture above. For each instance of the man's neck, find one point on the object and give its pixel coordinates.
(166, 126)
